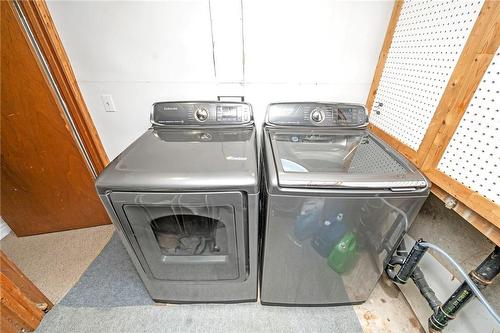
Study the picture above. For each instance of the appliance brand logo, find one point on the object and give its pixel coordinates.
(170, 108)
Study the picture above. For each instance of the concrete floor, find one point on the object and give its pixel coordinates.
(55, 262)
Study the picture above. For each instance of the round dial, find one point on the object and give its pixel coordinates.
(201, 114)
(317, 115)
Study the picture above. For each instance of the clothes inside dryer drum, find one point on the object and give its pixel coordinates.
(196, 243)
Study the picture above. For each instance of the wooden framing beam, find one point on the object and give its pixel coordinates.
(384, 53)
(38, 16)
(484, 207)
(377, 76)
(479, 222)
(395, 143)
(477, 54)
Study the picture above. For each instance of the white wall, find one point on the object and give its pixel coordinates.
(4, 229)
(142, 52)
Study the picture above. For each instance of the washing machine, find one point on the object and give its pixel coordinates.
(184, 200)
(336, 201)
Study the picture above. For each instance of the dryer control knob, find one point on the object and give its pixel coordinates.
(317, 115)
(201, 114)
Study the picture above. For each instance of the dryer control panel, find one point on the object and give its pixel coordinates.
(317, 114)
(201, 113)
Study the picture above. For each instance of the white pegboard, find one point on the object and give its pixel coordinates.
(428, 40)
(473, 154)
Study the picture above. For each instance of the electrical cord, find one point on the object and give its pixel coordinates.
(471, 284)
(399, 210)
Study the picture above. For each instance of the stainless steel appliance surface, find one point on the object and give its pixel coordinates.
(336, 203)
(184, 199)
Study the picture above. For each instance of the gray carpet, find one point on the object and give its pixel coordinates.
(110, 281)
(110, 297)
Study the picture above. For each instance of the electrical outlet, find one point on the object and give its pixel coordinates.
(107, 101)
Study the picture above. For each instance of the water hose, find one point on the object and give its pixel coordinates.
(466, 277)
(443, 313)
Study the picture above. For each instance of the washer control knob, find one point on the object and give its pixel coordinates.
(201, 114)
(317, 115)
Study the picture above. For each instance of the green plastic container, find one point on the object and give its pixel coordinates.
(343, 255)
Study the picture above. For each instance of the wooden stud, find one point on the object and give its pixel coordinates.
(480, 223)
(395, 143)
(38, 16)
(481, 205)
(478, 53)
(476, 56)
(384, 53)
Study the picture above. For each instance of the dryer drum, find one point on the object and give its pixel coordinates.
(190, 235)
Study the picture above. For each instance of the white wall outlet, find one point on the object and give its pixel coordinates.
(107, 101)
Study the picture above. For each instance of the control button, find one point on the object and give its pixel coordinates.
(317, 115)
(205, 137)
(201, 114)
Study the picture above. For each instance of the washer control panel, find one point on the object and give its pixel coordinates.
(317, 114)
(201, 113)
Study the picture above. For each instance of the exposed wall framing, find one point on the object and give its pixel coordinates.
(476, 56)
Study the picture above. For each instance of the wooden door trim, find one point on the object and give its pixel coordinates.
(22, 304)
(13, 273)
(47, 182)
(42, 27)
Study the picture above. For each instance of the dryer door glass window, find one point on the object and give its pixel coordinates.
(187, 243)
(186, 234)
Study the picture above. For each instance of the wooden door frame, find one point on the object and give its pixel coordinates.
(44, 31)
(476, 56)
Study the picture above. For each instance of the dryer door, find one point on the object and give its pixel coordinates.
(186, 236)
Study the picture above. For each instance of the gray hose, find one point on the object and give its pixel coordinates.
(471, 284)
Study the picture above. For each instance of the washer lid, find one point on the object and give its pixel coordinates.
(340, 159)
